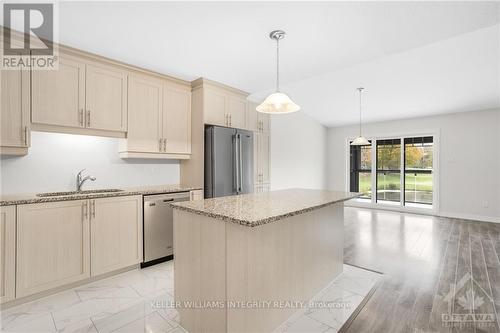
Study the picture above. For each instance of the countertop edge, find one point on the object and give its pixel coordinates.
(260, 222)
(125, 192)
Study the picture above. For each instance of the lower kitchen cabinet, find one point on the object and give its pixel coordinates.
(7, 253)
(53, 242)
(116, 233)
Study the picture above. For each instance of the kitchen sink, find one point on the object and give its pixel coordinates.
(58, 194)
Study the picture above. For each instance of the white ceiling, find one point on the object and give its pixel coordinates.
(414, 58)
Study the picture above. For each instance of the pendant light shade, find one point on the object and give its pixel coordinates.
(360, 140)
(278, 102)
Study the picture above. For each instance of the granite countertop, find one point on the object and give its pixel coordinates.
(30, 198)
(260, 208)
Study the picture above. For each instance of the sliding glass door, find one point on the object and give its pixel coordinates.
(418, 171)
(401, 170)
(389, 171)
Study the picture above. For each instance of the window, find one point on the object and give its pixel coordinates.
(401, 171)
(389, 171)
(418, 171)
(361, 170)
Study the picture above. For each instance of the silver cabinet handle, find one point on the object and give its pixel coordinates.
(159, 144)
(80, 117)
(230, 120)
(165, 145)
(93, 208)
(227, 119)
(88, 118)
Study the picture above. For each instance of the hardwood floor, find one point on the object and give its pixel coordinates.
(433, 267)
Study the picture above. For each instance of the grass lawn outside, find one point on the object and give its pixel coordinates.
(418, 187)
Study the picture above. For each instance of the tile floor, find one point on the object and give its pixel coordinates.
(132, 302)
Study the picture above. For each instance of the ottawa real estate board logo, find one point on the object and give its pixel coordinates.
(29, 36)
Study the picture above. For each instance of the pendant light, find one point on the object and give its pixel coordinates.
(278, 102)
(360, 140)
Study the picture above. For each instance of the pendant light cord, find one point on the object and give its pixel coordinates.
(277, 65)
(360, 90)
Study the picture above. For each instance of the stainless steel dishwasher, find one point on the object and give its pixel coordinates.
(158, 226)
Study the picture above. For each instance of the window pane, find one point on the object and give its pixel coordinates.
(419, 171)
(360, 170)
(388, 171)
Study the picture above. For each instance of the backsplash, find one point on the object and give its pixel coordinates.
(55, 159)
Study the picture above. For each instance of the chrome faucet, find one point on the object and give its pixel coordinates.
(80, 181)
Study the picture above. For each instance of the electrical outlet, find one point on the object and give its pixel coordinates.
(485, 204)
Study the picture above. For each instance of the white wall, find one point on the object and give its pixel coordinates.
(54, 160)
(469, 159)
(298, 152)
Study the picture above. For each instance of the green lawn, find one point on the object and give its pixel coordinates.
(422, 182)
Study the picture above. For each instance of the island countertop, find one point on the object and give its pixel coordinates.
(256, 209)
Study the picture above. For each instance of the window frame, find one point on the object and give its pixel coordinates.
(372, 203)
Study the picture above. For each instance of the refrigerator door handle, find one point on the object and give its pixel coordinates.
(240, 165)
(236, 177)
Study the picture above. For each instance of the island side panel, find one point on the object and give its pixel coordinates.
(199, 270)
(287, 260)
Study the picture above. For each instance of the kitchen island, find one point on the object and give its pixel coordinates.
(244, 263)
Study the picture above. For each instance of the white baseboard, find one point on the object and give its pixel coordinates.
(470, 217)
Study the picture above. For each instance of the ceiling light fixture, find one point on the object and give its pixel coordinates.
(278, 102)
(360, 140)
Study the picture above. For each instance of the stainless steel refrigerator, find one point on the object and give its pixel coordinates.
(228, 161)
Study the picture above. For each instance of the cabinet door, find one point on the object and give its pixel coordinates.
(52, 245)
(106, 98)
(145, 98)
(214, 109)
(263, 122)
(252, 122)
(236, 109)
(57, 96)
(8, 253)
(14, 108)
(177, 119)
(263, 158)
(116, 233)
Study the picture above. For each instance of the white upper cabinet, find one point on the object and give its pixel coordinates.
(257, 121)
(80, 94)
(58, 96)
(159, 119)
(223, 106)
(14, 112)
(236, 110)
(214, 107)
(106, 98)
(263, 122)
(145, 97)
(177, 118)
